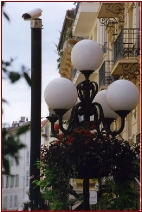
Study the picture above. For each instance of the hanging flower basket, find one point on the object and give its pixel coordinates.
(85, 154)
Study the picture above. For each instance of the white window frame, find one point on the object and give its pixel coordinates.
(15, 201)
(12, 181)
(16, 180)
(3, 181)
(7, 181)
(27, 178)
(28, 157)
(4, 202)
(10, 201)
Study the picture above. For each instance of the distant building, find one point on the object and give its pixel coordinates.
(13, 187)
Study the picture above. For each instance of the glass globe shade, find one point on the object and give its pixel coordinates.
(60, 93)
(122, 95)
(86, 55)
(101, 99)
(27, 190)
(26, 200)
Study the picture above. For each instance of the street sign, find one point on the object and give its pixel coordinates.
(93, 197)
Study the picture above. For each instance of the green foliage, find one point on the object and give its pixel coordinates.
(86, 152)
(54, 184)
(23, 129)
(10, 143)
(120, 196)
(4, 13)
(14, 76)
(10, 147)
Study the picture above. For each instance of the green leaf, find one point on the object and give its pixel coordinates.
(27, 78)
(4, 101)
(23, 129)
(6, 16)
(4, 69)
(14, 76)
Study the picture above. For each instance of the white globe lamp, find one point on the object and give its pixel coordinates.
(60, 93)
(101, 99)
(27, 190)
(26, 200)
(86, 55)
(122, 96)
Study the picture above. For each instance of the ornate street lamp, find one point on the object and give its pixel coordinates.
(105, 106)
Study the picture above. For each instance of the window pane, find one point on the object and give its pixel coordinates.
(27, 178)
(15, 201)
(7, 181)
(2, 181)
(27, 162)
(17, 180)
(10, 202)
(5, 202)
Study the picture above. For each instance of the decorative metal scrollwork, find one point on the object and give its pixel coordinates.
(116, 16)
(116, 8)
(131, 70)
(110, 24)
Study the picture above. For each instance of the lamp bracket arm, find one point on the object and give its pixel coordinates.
(102, 118)
(65, 131)
(94, 89)
(52, 120)
(87, 87)
(120, 129)
(97, 118)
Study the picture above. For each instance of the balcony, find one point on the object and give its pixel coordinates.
(109, 12)
(127, 52)
(111, 15)
(105, 78)
(65, 68)
(85, 17)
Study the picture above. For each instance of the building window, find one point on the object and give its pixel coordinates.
(15, 201)
(7, 181)
(27, 158)
(12, 181)
(2, 181)
(10, 202)
(5, 203)
(27, 178)
(17, 180)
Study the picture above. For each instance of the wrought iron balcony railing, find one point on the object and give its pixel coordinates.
(105, 77)
(127, 44)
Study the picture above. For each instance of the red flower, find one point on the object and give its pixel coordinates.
(92, 127)
(106, 137)
(56, 127)
(85, 142)
(88, 133)
(69, 140)
(60, 136)
(79, 130)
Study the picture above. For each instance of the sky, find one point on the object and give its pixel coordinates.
(16, 44)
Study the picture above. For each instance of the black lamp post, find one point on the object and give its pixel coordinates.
(36, 41)
(105, 106)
